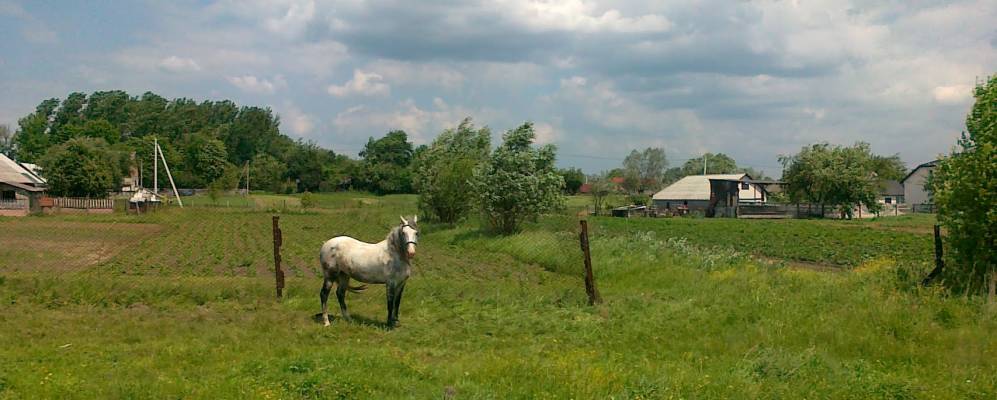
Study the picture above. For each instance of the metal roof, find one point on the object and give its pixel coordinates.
(892, 188)
(693, 187)
(929, 164)
(12, 172)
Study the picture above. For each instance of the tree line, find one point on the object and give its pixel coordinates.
(85, 144)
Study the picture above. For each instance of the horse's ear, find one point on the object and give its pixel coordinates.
(415, 219)
(404, 222)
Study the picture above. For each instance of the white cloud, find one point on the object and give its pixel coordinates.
(546, 133)
(953, 94)
(317, 59)
(252, 84)
(300, 122)
(179, 64)
(421, 124)
(422, 74)
(363, 83)
(581, 16)
(33, 30)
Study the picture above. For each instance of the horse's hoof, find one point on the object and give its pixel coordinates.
(326, 323)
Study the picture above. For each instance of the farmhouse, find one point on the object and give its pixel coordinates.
(892, 192)
(695, 192)
(20, 188)
(915, 192)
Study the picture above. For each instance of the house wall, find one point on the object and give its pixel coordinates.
(914, 192)
(752, 194)
(692, 204)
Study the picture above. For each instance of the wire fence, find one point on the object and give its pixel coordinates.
(209, 240)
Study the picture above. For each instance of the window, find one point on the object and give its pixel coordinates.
(744, 185)
(7, 195)
(888, 200)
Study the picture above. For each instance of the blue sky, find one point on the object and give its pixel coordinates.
(752, 79)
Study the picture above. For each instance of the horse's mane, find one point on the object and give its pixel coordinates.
(397, 243)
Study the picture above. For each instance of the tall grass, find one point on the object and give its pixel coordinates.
(483, 317)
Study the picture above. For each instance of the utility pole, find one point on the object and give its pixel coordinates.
(247, 178)
(155, 166)
(704, 164)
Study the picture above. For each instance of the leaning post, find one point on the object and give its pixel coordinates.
(278, 240)
(590, 289)
(939, 260)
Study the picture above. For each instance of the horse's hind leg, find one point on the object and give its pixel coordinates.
(324, 295)
(344, 282)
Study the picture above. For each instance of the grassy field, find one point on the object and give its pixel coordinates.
(179, 304)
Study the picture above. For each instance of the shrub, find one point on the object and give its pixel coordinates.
(445, 168)
(963, 188)
(81, 167)
(307, 200)
(518, 182)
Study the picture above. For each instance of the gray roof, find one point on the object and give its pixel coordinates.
(12, 172)
(929, 164)
(693, 187)
(892, 188)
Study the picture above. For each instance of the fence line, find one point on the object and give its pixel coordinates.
(83, 203)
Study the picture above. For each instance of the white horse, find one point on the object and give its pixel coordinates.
(385, 262)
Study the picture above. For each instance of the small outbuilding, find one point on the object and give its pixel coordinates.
(20, 188)
(703, 192)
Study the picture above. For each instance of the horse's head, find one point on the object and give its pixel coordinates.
(410, 235)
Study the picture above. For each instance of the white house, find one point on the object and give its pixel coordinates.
(20, 187)
(914, 190)
(694, 192)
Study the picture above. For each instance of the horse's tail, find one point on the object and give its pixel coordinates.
(356, 289)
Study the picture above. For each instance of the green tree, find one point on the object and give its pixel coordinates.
(253, 130)
(889, 167)
(267, 173)
(6, 140)
(306, 163)
(517, 182)
(644, 170)
(600, 188)
(206, 158)
(832, 176)
(443, 171)
(97, 128)
(574, 178)
(385, 165)
(32, 139)
(963, 188)
(719, 163)
(81, 167)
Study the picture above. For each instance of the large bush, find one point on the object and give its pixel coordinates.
(829, 175)
(963, 187)
(444, 171)
(518, 182)
(81, 167)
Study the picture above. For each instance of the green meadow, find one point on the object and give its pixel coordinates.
(180, 304)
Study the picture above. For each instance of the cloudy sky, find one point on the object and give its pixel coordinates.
(753, 79)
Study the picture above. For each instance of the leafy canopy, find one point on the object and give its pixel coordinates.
(833, 176)
(517, 182)
(444, 169)
(644, 170)
(80, 167)
(963, 186)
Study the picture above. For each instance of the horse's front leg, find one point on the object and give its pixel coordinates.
(390, 289)
(398, 300)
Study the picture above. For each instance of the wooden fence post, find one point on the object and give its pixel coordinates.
(278, 240)
(590, 289)
(939, 261)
